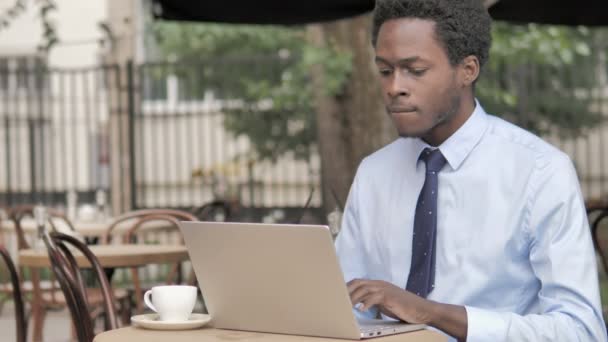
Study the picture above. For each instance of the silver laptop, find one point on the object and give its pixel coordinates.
(276, 278)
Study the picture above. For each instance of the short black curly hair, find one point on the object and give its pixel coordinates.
(463, 27)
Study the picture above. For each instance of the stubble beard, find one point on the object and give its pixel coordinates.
(442, 118)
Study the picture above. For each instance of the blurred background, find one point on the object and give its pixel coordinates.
(108, 106)
(108, 95)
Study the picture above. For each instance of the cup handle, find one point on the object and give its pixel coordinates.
(147, 300)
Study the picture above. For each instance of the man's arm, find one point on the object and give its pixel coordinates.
(562, 257)
(406, 306)
(349, 246)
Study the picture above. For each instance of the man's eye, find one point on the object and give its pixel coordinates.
(385, 72)
(417, 72)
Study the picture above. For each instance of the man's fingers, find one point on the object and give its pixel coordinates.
(364, 293)
(354, 284)
(359, 293)
(369, 301)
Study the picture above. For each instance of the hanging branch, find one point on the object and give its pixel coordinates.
(12, 13)
(49, 34)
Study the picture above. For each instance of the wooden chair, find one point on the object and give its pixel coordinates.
(21, 323)
(52, 297)
(136, 215)
(68, 275)
(600, 244)
(55, 218)
(49, 289)
(6, 285)
(136, 221)
(214, 209)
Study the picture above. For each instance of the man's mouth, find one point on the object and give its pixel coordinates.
(404, 110)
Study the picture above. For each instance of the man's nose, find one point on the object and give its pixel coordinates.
(398, 86)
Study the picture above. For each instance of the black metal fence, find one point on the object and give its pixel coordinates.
(154, 135)
(149, 135)
(54, 132)
(184, 153)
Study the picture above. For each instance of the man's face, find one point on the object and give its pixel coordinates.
(419, 84)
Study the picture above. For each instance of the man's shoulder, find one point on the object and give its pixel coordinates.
(389, 154)
(519, 140)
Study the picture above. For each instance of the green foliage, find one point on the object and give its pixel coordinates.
(336, 66)
(265, 71)
(192, 41)
(281, 123)
(542, 78)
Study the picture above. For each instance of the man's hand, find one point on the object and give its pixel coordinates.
(406, 306)
(390, 299)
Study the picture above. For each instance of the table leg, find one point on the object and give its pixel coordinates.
(36, 305)
(139, 296)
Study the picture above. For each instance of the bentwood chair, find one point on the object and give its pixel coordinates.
(6, 285)
(50, 292)
(216, 210)
(133, 216)
(138, 219)
(55, 219)
(600, 237)
(51, 295)
(21, 323)
(72, 284)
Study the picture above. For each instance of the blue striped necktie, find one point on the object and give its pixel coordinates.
(421, 280)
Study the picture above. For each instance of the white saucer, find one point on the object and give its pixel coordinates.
(151, 321)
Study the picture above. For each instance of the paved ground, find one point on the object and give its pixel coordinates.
(56, 326)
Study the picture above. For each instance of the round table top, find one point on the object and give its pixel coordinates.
(114, 255)
(218, 335)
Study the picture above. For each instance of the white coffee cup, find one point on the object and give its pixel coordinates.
(172, 302)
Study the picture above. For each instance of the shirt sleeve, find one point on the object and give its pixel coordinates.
(562, 256)
(349, 247)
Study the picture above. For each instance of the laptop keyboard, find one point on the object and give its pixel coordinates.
(376, 330)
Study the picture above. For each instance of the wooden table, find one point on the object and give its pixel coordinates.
(108, 256)
(217, 335)
(113, 255)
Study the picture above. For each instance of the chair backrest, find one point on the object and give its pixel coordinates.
(17, 297)
(208, 211)
(138, 214)
(600, 245)
(67, 272)
(171, 221)
(3, 217)
(17, 214)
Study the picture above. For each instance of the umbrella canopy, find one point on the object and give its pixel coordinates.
(558, 12)
(285, 12)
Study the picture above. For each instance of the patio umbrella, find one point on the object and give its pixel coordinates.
(561, 12)
(284, 12)
(558, 12)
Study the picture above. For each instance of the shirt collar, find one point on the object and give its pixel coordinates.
(458, 146)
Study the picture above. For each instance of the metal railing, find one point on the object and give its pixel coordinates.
(76, 130)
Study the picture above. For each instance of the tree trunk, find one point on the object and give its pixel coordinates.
(354, 123)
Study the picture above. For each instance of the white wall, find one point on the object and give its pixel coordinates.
(76, 24)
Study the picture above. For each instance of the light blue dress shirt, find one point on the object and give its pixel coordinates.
(513, 241)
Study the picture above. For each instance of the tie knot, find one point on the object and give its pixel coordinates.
(433, 159)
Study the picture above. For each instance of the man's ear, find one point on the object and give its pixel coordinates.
(469, 68)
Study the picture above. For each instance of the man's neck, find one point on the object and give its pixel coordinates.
(442, 132)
